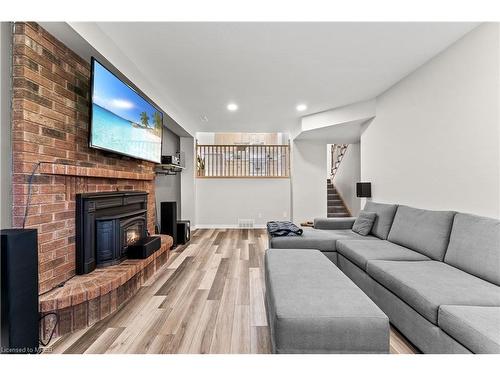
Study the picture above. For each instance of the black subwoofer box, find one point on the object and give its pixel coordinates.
(183, 231)
(19, 298)
(144, 247)
(169, 220)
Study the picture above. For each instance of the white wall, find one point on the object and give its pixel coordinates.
(308, 164)
(5, 129)
(435, 140)
(221, 202)
(348, 174)
(188, 181)
(205, 138)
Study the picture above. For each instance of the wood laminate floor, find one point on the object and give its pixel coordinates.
(208, 298)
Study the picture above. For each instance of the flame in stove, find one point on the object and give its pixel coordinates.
(132, 236)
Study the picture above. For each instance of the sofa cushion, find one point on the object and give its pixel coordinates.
(360, 252)
(324, 240)
(334, 222)
(425, 231)
(385, 216)
(475, 327)
(314, 308)
(364, 223)
(475, 246)
(427, 285)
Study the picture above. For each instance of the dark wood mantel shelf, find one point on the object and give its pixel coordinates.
(73, 170)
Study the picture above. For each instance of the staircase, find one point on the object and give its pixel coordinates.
(335, 205)
(337, 154)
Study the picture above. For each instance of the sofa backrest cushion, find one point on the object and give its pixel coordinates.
(425, 231)
(475, 246)
(383, 221)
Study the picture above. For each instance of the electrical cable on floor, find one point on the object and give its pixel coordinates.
(28, 202)
(26, 211)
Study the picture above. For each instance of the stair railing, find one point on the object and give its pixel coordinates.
(337, 152)
(243, 161)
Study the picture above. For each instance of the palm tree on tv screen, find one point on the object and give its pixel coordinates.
(145, 119)
(157, 121)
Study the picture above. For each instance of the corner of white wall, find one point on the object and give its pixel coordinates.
(308, 177)
(435, 140)
(188, 181)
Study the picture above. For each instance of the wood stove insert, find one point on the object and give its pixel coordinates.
(107, 224)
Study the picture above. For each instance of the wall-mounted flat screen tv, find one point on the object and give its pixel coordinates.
(121, 120)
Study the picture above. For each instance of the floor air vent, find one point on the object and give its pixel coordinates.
(246, 223)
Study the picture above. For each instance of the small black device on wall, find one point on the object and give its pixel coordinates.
(19, 298)
(183, 231)
(364, 190)
(169, 220)
(171, 159)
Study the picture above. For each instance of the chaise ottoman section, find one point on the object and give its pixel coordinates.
(313, 307)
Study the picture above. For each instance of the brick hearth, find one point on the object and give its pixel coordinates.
(86, 299)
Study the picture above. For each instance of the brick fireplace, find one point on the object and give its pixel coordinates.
(50, 121)
(50, 125)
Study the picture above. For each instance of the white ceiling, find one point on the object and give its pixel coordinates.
(268, 68)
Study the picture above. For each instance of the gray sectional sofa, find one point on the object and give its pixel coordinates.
(435, 274)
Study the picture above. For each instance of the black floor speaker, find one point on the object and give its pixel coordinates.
(183, 231)
(169, 220)
(19, 298)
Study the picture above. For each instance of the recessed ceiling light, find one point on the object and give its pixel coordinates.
(301, 107)
(232, 107)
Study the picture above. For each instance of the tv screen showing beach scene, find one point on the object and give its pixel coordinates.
(122, 120)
